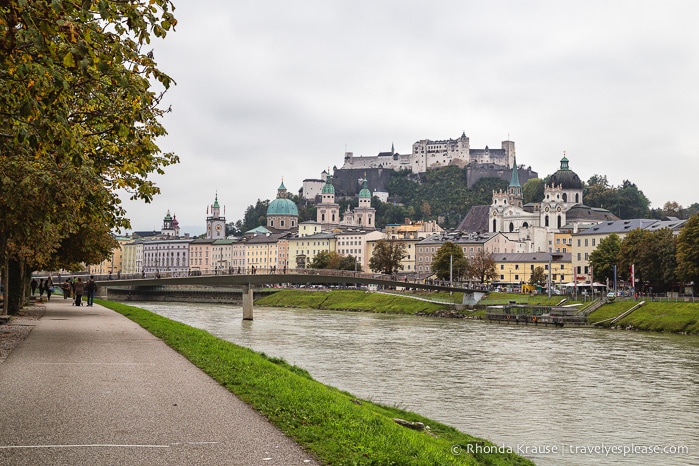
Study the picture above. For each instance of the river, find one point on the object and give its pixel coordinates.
(573, 396)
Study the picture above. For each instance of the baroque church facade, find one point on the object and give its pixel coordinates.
(328, 211)
(561, 208)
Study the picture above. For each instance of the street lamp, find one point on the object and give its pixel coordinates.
(548, 284)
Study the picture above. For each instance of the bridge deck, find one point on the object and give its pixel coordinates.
(299, 277)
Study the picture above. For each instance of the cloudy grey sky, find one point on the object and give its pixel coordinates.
(269, 89)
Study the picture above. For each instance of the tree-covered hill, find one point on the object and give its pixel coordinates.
(442, 195)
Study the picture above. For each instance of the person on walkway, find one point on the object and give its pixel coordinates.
(48, 285)
(66, 289)
(91, 288)
(79, 289)
(41, 288)
(33, 285)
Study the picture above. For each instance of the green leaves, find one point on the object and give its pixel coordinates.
(80, 119)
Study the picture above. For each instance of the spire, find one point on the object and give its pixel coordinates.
(393, 150)
(216, 201)
(514, 181)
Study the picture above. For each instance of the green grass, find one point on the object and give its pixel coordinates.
(350, 300)
(332, 425)
(675, 317)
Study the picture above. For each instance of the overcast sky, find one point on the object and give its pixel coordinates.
(271, 89)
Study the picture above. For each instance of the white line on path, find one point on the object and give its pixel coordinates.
(103, 445)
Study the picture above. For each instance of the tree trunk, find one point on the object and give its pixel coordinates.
(13, 292)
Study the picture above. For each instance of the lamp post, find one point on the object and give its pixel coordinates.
(548, 283)
(451, 272)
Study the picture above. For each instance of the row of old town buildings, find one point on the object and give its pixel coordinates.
(557, 234)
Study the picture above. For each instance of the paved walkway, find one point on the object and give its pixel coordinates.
(88, 386)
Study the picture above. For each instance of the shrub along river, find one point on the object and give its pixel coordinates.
(573, 396)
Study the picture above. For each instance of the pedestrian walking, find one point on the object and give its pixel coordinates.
(41, 288)
(66, 289)
(79, 289)
(33, 285)
(91, 289)
(48, 285)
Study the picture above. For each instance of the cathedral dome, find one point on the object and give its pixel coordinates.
(565, 177)
(281, 206)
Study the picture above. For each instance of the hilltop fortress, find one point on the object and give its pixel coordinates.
(427, 155)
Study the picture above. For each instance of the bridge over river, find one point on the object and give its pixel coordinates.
(247, 282)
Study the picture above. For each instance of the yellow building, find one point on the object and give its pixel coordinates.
(261, 252)
(302, 249)
(114, 264)
(515, 270)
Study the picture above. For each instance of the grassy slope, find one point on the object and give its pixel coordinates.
(331, 424)
(677, 317)
(349, 300)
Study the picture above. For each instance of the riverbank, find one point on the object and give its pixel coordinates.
(670, 317)
(336, 427)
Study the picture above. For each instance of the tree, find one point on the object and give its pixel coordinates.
(688, 251)
(449, 262)
(598, 193)
(533, 190)
(653, 255)
(605, 257)
(349, 263)
(672, 209)
(632, 203)
(80, 120)
(483, 267)
(538, 276)
(386, 257)
(255, 216)
(326, 260)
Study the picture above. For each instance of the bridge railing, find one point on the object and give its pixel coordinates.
(408, 279)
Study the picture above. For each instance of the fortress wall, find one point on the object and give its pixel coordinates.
(346, 180)
(477, 171)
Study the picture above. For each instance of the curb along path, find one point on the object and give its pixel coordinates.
(89, 386)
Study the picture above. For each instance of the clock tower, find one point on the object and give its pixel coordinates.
(215, 224)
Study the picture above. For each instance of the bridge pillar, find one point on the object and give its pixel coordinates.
(247, 303)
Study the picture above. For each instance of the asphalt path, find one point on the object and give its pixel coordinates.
(89, 386)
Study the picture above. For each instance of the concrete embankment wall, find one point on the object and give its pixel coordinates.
(189, 295)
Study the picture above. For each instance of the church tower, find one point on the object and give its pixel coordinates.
(171, 226)
(514, 190)
(215, 223)
(328, 212)
(364, 215)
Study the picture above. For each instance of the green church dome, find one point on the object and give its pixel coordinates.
(281, 206)
(328, 187)
(364, 192)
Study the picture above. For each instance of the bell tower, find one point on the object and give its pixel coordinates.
(215, 223)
